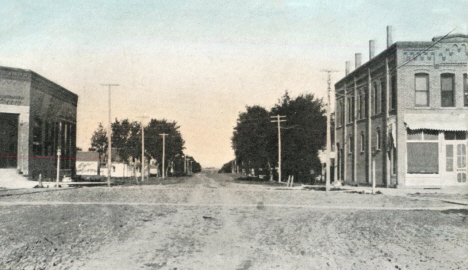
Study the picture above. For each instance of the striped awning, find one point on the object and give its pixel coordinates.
(441, 121)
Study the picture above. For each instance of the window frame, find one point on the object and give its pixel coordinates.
(425, 75)
(452, 91)
(393, 93)
(423, 139)
(375, 98)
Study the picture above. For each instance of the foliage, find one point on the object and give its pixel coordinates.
(126, 138)
(174, 144)
(227, 167)
(99, 140)
(255, 138)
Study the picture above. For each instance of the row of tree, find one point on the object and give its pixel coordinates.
(127, 142)
(303, 134)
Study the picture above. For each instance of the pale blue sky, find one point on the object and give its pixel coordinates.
(200, 62)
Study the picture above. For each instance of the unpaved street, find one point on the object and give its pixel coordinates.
(209, 221)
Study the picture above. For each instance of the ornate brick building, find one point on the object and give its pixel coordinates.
(401, 117)
(37, 117)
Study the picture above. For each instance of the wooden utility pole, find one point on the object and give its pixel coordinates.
(109, 148)
(327, 183)
(164, 154)
(142, 147)
(279, 119)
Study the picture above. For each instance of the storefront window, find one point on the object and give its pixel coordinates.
(422, 152)
(423, 158)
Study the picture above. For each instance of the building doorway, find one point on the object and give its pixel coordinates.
(8, 140)
(455, 161)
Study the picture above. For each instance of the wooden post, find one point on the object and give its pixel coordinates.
(59, 153)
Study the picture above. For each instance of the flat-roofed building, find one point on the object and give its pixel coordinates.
(401, 117)
(37, 117)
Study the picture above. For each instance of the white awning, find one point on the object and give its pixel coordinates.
(441, 121)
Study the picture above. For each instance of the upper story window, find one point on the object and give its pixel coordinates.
(375, 98)
(341, 113)
(465, 90)
(392, 93)
(421, 82)
(350, 109)
(383, 86)
(358, 106)
(447, 81)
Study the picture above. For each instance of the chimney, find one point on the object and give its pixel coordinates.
(371, 49)
(348, 67)
(357, 60)
(389, 36)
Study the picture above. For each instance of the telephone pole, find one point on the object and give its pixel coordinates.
(279, 119)
(109, 142)
(142, 148)
(327, 183)
(164, 154)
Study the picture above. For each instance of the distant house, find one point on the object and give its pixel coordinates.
(402, 117)
(89, 164)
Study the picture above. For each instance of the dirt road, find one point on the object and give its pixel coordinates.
(210, 222)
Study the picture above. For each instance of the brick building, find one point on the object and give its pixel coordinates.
(37, 117)
(401, 117)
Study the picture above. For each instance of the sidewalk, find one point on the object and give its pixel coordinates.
(455, 195)
(10, 179)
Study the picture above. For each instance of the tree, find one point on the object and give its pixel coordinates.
(99, 140)
(253, 138)
(126, 139)
(303, 134)
(154, 142)
(227, 167)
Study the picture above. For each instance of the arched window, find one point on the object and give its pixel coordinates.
(421, 87)
(447, 87)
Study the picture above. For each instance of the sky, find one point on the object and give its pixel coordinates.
(199, 63)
